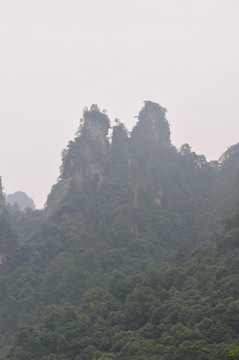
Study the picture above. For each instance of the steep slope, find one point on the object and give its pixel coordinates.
(124, 206)
(82, 160)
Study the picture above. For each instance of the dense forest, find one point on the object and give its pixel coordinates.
(135, 255)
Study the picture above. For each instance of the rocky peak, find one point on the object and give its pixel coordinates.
(86, 156)
(119, 137)
(2, 201)
(82, 160)
(95, 125)
(152, 124)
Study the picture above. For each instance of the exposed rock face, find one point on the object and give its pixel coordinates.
(149, 138)
(57, 193)
(119, 150)
(96, 130)
(152, 125)
(2, 201)
(119, 138)
(83, 158)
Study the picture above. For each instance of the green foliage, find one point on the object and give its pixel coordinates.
(230, 240)
(25, 222)
(232, 354)
(117, 269)
(8, 238)
(226, 186)
(180, 312)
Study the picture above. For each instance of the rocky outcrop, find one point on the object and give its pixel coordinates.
(2, 201)
(96, 129)
(120, 140)
(150, 138)
(152, 125)
(82, 160)
(86, 156)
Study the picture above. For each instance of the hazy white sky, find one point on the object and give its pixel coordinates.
(58, 56)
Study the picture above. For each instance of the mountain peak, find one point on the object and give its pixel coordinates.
(152, 124)
(2, 201)
(95, 124)
(82, 160)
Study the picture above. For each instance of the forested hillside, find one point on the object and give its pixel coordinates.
(132, 258)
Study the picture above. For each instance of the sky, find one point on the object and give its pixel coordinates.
(59, 56)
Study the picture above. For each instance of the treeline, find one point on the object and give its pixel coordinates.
(189, 311)
(186, 311)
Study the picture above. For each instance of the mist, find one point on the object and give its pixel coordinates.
(58, 57)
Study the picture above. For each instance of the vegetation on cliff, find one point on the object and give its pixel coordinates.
(129, 259)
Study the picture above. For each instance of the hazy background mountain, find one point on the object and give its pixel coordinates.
(21, 199)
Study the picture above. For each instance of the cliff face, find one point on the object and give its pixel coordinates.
(96, 126)
(120, 138)
(152, 125)
(149, 142)
(86, 156)
(2, 202)
(120, 209)
(82, 160)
